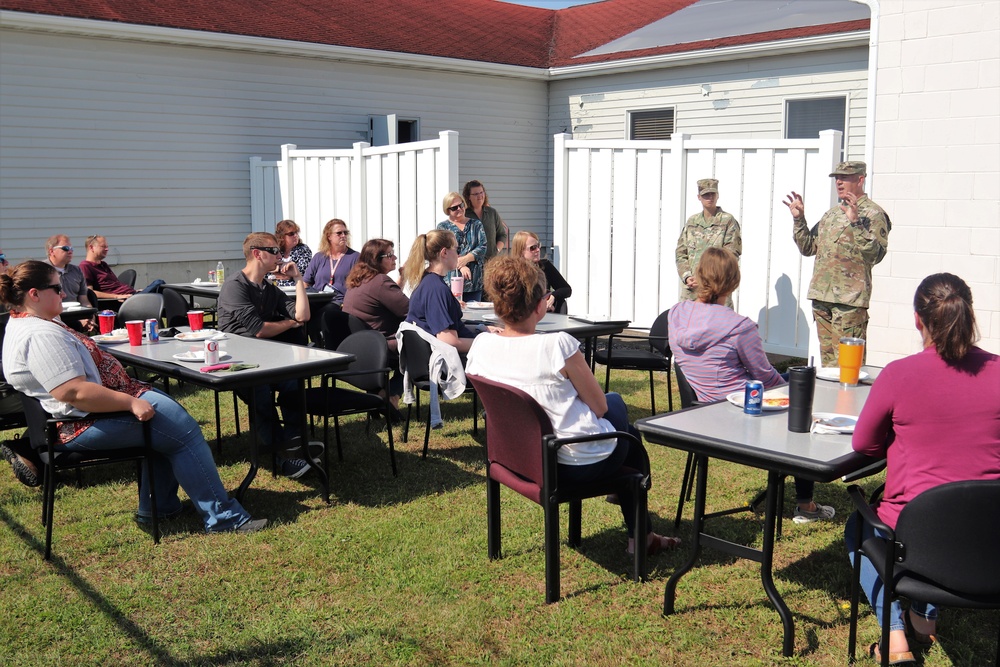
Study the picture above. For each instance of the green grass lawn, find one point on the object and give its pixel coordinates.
(394, 571)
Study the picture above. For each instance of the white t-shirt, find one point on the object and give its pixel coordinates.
(532, 364)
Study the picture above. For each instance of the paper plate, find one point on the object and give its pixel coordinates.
(833, 375)
(203, 334)
(831, 422)
(197, 355)
(113, 337)
(736, 398)
(478, 305)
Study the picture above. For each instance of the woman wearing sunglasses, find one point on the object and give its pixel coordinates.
(471, 245)
(328, 270)
(73, 378)
(292, 250)
(526, 245)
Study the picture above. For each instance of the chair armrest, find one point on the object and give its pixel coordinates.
(552, 444)
(864, 507)
(873, 468)
(345, 374)
(92, 415)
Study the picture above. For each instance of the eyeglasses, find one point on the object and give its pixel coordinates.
(291, 233)
(57, 288)
(533, 248)
(3, 257)
(342, 232)
(271, 249)
(64, 248)
(387, 257)
(456, 207)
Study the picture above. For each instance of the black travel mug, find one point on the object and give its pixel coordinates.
(801, 386)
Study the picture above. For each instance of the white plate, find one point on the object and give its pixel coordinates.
(736, 398)
(288, 289)
(204, 283)
(833, 422)
(112, 337)
(70, 304)
(478, 305)
(490, 317)
(833, 375)
(203, 334)
(197, 355)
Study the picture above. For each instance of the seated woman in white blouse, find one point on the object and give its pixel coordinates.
(551, 369)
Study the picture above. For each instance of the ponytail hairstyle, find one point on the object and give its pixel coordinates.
(515, 285)
(943, 302)
(15, 282)
(717, 273)
(426, 248)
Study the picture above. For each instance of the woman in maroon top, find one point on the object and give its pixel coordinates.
(935, 416)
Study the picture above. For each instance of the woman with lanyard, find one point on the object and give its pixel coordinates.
(328, 270)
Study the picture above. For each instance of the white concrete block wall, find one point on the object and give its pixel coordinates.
(936, 164)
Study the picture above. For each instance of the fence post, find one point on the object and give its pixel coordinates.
(447, 173)
(285, 179)
(560, 190)
(829, 154)
(359, 188)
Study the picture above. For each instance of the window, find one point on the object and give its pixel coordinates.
(391, 129)
(652, 124)
(804, 119)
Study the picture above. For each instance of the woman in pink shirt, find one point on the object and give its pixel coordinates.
(935, 416)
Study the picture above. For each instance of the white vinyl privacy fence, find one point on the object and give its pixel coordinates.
(619, 207)
(390, 192)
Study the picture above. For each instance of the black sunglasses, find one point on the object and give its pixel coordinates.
(3, 257)
(533, 248)
(64, 248)
(57, 288)
(456, 207)
(271, 249)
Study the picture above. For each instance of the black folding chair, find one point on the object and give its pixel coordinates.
(656, 358)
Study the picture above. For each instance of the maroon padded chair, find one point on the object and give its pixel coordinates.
(521, 454)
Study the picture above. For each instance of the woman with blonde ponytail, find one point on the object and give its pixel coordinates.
(935, 417)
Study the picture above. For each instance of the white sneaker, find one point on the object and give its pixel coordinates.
(821, 513)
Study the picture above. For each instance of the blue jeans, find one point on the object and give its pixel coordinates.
(184, 459)
(625, 454)
(871, 583)
(270, 430)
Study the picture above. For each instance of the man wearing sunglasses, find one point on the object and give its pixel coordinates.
(74, 285)
(252, 306)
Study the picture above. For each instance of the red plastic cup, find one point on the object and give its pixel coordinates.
(196, 320)
(134, 328)
(106, 318)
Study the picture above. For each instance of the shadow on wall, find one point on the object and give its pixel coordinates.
(784, 324)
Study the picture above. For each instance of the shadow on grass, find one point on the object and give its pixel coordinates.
(269, 653)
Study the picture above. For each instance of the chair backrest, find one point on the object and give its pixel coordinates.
(684, 388)
(951, 536)
(128, 277)
(515, 426)
(658, 334)
(372, 352)
(37, 419)
(141, 307)
(356, 324)
(175, 308)
(415, 357)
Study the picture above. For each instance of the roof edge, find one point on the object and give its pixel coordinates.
(183, 37)
(756, 50)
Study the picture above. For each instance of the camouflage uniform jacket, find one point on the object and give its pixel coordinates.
(701, 233)
(845, 253)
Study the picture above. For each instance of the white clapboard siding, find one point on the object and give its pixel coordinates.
(149, 143)
(620, 206)
(390, 192)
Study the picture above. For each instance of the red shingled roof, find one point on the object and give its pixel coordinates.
(478, 30)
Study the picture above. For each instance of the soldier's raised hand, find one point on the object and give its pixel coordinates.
(849, 205)
(795, 205)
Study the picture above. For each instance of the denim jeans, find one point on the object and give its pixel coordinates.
(270, 430)
(183, 458)
(625, 454)
(871, 583)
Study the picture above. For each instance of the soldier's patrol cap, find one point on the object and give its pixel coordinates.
(707, 185)
(850, 169)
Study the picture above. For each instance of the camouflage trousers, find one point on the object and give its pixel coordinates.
(835, 321)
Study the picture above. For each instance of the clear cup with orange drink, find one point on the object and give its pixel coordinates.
(850, 357)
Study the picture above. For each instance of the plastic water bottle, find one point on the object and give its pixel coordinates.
(220, 273)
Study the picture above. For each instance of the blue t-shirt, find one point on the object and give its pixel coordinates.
(434, 309)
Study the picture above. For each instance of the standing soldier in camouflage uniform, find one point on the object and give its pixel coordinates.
(848, 241)
(712, 228)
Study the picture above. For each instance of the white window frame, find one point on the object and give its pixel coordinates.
(807, 98)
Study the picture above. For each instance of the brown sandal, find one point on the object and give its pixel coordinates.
(662, 543)
(902, 658)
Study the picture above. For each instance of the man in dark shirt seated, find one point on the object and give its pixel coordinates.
(251, 306)
(101, 278)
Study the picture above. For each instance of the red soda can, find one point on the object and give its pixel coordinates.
(152, 331)
(753, 398)
(211, 352)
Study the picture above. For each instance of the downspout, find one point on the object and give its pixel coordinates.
(872, 76)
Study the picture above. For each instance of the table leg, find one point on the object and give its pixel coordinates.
(774, 482)
(317, 464)
(669, 592)
(245, 484)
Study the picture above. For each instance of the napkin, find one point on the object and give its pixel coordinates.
(196, 281)
(833, 425)
(227, 367)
